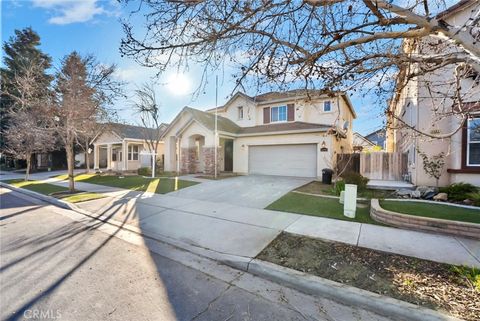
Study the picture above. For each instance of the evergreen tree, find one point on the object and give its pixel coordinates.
(23, 60)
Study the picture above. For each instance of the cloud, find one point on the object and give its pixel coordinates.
(71, 11)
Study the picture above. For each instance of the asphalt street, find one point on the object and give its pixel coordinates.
(56, 268)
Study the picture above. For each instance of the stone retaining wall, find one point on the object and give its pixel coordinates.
(423, 223)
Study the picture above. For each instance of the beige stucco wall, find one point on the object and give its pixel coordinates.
(417, 106)
(324, 159)
(310, 111)
(250, 116)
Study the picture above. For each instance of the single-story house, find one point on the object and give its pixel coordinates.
(293, 133)
(123, 147)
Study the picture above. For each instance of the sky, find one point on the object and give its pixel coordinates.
(93, 27)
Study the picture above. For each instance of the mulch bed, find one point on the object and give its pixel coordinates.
(426, 283)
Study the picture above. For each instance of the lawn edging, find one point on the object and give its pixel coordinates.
(428, 224)
(46, 198)
(345, 294)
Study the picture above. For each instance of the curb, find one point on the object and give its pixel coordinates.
(346, 294)
(297, 280)
(46, 198)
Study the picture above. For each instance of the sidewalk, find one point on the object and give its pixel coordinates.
(241, 231)
(245, 232)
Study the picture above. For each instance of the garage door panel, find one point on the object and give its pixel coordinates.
(284, 160)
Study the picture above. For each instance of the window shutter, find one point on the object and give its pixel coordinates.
(290, 112)
(266, 115)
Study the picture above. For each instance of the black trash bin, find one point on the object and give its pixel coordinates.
(327, 174)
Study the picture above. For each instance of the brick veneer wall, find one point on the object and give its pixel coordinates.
(209, 159)
(189, 161)
(423, 223)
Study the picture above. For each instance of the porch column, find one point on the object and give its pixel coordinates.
(109, 156)
(96, 157)
(124, 155)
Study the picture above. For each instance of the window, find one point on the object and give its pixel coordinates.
(327, 106)
(278, 114)
(473, 142)
(240, 113)
(133, 152)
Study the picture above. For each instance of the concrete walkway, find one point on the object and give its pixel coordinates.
(242, 231)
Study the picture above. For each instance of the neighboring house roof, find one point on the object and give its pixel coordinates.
(363, 139)
(458, 6)
(289, 94)
(125, 131)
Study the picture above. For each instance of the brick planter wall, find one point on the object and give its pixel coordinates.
(423, 223)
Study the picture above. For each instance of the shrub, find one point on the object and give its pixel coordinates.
(144, 171)
(357, 179)
(471, 275)
(459, 191)
(339, 186)
(475, 198)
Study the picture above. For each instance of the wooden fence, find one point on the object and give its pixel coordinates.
(375, 165)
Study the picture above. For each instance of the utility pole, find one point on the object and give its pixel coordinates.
(216, 132)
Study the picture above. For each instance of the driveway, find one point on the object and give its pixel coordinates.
(256, 191)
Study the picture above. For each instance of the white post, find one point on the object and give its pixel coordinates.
(109, 156)
(350, 201)
(177, 147)
(124, 155)
(216, 116)
(96, 157)
(154, 158)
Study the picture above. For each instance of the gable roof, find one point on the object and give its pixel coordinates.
(379, 132)
(363, 138)
(205, 119)
(125, 131)
(208, 120)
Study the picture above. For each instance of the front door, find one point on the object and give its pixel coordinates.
(228, 155)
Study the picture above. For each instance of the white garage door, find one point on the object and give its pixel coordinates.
(283, 160)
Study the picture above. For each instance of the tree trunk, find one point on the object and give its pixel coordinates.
(27, 172)
(87, 160)
(70, 166)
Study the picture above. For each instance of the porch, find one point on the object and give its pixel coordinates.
(198, 157)
(111, 156)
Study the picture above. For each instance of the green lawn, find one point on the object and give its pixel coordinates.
(317, 187)
(82, 197)
(36, 186)
(136, 183)
(319, 206)
(433, 210)
(49, 189)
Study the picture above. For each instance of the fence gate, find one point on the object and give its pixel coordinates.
(375, 165)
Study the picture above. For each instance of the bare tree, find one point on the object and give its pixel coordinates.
(321, 44)
(28, 134)
(148, 108)
(84, 88)
(28, 129)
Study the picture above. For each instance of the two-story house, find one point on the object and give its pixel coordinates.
(427, 104)
(278, 133)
